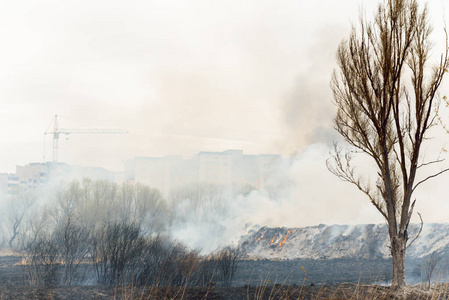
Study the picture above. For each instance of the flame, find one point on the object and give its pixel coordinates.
(284, 240)
(272, 240)
(258, 239)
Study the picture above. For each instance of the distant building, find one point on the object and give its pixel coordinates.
(230, 169)
(163, 173)
(39, 175)
(32, 175)
(8, 183)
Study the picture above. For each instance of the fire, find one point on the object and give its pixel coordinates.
(272, 240)
(284, 240)
(258, 239)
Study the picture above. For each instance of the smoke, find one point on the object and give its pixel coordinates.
(305, 194)
(187, 77)
(307, 108)
(312, 194)
(300, 192)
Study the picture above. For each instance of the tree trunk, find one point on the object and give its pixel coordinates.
(398, 254)
(13, 237)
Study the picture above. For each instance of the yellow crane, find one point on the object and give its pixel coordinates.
(56, 131)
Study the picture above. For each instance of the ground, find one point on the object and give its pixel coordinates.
(335, 292)
(256, 280)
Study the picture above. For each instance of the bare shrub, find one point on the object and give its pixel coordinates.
(227, 264)
(179, 264)
(114, 229)
(166, 263)
(40, 257)
(71, 240)
(115, 249)
(206, 272)
(430, 264)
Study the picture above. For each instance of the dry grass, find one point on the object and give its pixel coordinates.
(266, 288)
(264, 291)
(343, 291)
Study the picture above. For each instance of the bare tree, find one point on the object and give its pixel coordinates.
(19, 206)
(145, 206)
(200, 201)
(430, 265)
(386, 116)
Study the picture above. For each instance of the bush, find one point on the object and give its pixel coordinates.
(70, 239)
(115, 249)
(113, 228)
(40, 258)
(227, 263)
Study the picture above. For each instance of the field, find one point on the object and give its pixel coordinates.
(298, 279)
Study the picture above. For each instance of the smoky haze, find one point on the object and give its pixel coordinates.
(190, 76)
(183, 77)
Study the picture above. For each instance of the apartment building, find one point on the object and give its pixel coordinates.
(231, 169)
(8, 184)
(39, 175)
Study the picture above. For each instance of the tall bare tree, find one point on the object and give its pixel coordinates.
(386, 98)
(18, 208)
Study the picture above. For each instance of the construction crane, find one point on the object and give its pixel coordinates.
(58, 131)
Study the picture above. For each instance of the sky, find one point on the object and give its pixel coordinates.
(182, 77)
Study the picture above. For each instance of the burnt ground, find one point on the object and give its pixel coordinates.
(296, 279)
(334, 292)
(318, 272)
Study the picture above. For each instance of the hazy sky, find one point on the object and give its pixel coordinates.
(180, 76)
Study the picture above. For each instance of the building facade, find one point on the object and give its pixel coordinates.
(35, 176)
(230, 169)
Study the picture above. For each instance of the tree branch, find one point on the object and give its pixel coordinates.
(430, 163)
(429, 177)
(419, 232)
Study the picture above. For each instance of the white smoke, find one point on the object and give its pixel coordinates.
(311, 195)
